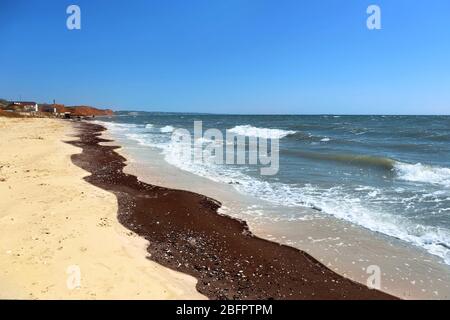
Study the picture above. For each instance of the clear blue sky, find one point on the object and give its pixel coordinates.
(230, 56)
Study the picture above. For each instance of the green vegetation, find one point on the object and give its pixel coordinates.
(3, 103)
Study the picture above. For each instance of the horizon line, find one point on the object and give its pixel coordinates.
(287, 114)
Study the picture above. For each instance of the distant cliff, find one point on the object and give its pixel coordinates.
(82, 111)
(86, 111)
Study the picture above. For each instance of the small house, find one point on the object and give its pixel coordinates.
(48, 108)
(23, 106)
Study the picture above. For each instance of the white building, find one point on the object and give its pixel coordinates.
(24, 106)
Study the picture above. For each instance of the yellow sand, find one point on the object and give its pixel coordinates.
(58, 231)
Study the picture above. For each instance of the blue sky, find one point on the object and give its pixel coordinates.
(230, 56)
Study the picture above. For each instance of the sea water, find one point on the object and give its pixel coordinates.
(388, 174)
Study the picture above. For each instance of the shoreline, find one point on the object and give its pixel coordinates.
(408, 272)
(51, 221)
(220, 251)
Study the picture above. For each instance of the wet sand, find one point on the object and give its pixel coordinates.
(407, 271)
(186, 234)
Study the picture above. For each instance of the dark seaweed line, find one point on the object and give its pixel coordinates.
(186, 234)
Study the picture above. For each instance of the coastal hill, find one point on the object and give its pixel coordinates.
(3, 103)
(82, 111)
(9, 114)
(76, 111)
(87, 111)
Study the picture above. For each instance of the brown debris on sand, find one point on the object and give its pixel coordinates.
(188, 235)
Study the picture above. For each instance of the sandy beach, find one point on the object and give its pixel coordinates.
(187, 233)
(61, 237)
(55, 226)
(224, 156)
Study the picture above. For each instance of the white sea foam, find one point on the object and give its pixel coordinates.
(149, 126)
(266, 133)
(423, 173)
(354, 205)
(140, 138)
(167, 129)
(115, 126)
(336, 201)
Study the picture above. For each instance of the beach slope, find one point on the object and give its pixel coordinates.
(59, 235)
(187, 234)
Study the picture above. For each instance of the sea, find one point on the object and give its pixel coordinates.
(386, 174)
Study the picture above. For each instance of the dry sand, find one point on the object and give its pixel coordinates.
(54, 224)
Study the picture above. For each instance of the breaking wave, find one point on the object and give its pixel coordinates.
(266, 133)
(423, 173)
(379, 207)
(167, 129)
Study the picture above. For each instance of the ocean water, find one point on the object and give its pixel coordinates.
(388, 174)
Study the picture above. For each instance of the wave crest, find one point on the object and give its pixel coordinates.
(167, 129)
(266, 133)
(423, 173)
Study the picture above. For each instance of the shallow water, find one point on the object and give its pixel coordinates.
(389, 174)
